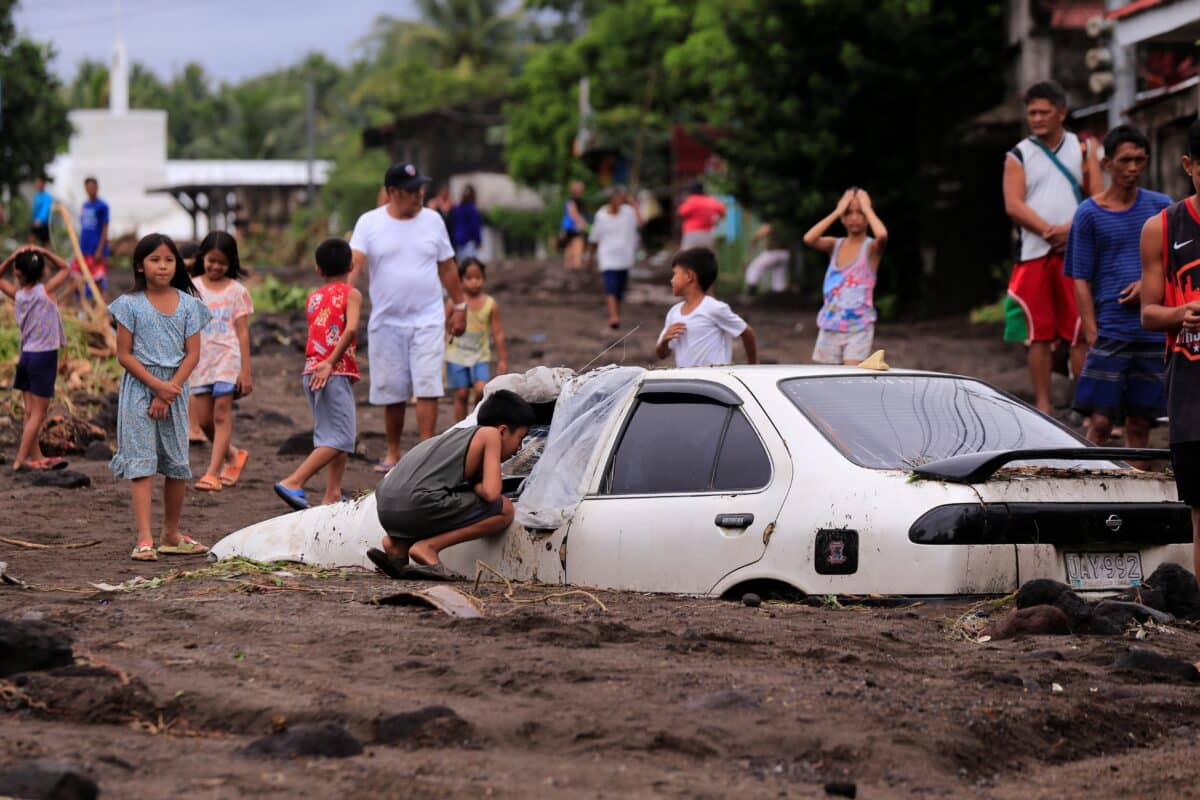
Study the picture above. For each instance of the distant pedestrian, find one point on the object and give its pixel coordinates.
(440, 202)
(330, 372)
(1122, 377)
(615, 234)
(1170, 250)
(93, 236)
(405, 248)
(573, 228)
(700, 214)
(466, 226)
(773, 260)
(700, 330)
(846, 321)
(43, 206)
(158, 344)
(1046, 177)
(468, 356)
(42, 336)
(223, 372)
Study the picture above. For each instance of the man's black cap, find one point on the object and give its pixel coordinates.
(405, 176)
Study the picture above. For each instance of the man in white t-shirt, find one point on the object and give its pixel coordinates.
(615, 234)
(409, 260)
(700, 330)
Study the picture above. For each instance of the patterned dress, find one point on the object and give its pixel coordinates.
(147, 446)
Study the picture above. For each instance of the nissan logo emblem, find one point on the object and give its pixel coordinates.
(1113, 523)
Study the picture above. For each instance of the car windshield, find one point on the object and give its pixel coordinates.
(902, 421)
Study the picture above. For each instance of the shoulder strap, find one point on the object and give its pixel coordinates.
(1075, 187)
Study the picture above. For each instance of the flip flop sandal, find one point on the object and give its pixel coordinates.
(187, 546)
(386, 564)
(296, 498)
(231, 473)
(208, 484)
(201, 439)
(54, 462)
(144, 553)
(383, 467)
(430, 572)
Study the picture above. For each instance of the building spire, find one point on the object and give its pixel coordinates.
(118, 73)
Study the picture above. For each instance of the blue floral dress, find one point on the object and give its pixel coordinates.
(147, 446)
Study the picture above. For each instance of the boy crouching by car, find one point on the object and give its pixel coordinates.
(447, 490)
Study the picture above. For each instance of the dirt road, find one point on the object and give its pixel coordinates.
(654, 695)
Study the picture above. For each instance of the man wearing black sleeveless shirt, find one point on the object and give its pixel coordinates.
(1171, 303)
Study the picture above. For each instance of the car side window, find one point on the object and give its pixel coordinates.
(674, 444)
(743, 463)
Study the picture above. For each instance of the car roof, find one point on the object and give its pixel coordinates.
(778, 372)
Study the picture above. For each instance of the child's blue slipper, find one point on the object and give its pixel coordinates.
(296, 498)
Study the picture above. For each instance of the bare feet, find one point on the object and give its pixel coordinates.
(423, 554)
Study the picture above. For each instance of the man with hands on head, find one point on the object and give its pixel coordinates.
(409, 261)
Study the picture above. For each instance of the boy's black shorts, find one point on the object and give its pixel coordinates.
(403, 527)
(40, 233)
(1185, 462)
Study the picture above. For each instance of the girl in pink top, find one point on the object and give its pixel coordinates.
(224, 369)
(42, 336)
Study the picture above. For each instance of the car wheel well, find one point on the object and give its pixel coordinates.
(766, 588)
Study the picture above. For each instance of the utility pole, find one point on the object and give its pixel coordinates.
(310, 136)
(1124, 71)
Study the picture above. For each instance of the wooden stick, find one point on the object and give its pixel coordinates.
(98, 310)
(36, 546)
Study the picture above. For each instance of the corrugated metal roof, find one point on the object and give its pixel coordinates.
(1135, 7)
(244, 172)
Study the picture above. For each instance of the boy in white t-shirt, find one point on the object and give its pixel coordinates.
(700, 330)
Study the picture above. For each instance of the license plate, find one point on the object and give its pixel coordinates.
(1103, 570)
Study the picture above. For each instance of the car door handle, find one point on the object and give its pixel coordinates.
(734, 520)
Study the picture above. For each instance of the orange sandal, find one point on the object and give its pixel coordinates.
(208, 484)
(231, 473)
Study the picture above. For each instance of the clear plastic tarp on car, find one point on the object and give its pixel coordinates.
(559, 480)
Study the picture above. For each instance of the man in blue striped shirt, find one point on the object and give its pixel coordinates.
(1122, 378)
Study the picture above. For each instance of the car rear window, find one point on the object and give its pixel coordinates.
(902, 421)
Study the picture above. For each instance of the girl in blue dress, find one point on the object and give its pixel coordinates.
(158, 344)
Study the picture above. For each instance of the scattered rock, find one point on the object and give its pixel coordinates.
(98, 451)
(724, 700)
(26, 646)
(1043, 620)
(432, 726)
(324, 739)
(842, 789)
(47, 780)
(54, 478)
(270, 416)
(751, 599)
(298, 444)
(1044, 655)
(1144, 660)
(1181, 595)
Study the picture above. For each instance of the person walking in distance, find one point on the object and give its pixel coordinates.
(699, 215)
(574, 227)
(406, 251)
(615, 234)
(43, 204)
(1046, 177)
(93, 236)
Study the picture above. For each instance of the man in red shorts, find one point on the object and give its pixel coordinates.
(1046, 176)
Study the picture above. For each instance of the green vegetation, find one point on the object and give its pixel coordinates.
(274, 295)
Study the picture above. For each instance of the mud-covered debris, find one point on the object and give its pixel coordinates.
(47, 780)
(443, 598)
(298, 444)
(323, 739)
(32, 645)
(723, 700)
(1041, 620)
(98, 451)
(1181, 595)
(432, 726)
(54, 478)
(6, 579)
(751, 599)
(842, 789)
(1143, 659)
(1124, 614)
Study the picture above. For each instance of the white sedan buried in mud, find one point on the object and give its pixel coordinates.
(827, 480)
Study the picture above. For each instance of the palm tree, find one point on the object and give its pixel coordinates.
(461, 34)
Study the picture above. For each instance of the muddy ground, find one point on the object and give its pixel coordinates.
(648, 695)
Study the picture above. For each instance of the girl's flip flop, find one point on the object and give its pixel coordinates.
(231, 473)
(208, 484)
(384, 467)
(144, 553)
(187, 546)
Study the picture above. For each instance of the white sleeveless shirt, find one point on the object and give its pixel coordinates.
(1047, 190)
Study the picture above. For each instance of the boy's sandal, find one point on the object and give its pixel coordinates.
(296, 498)
(386, 564)
(208, 484)
(54, 462)
(144, 553)
(231, 473)
(383, 467)
(187, 546)
(428, 572)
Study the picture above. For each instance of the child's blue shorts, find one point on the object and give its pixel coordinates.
(36, 371)
(460, 377)
(218, 389)
(1122, 378)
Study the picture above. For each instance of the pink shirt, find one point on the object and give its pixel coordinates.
(700, 212)
(220, 355)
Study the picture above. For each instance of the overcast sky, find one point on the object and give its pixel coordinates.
(233, 39)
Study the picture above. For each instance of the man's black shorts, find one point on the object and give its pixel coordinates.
(1185, 462)
(40, 233)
